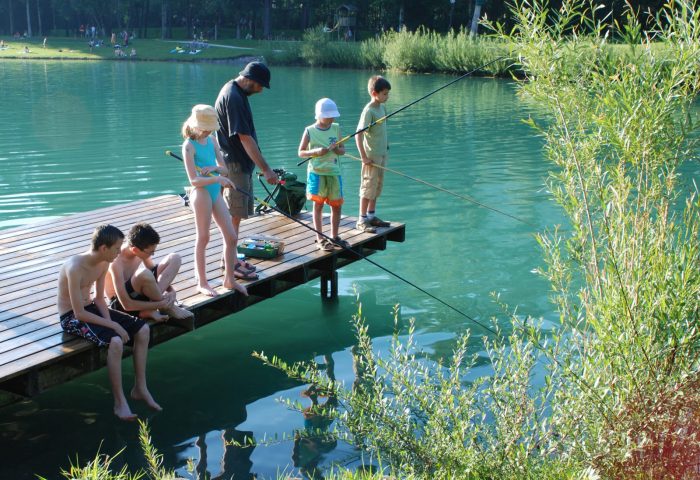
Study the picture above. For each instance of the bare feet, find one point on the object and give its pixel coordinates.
(237, 287)
(146, 397)
(207, 290)
(154, 314)
(124, 413)
(178, 313)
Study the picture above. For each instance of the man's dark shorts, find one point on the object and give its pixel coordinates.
(239, 204)
(97, 333)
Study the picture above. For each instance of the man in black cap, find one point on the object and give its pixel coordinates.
(238, 140)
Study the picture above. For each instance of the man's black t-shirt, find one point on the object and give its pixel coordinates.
(235, 117)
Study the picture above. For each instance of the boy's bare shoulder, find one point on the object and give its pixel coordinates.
(80, 265)
(73, 263)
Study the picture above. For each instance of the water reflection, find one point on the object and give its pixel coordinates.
(315, 441)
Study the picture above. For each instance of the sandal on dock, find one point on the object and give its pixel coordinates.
(340, 243)
(324, 245)
(242, 274)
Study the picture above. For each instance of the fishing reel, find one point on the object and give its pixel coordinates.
(282, 175)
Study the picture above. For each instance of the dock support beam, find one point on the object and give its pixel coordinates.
(329, 285)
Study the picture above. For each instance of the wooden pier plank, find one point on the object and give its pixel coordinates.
(33, 348)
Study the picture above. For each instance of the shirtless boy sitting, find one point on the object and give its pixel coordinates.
(90, 318)
(138, 286)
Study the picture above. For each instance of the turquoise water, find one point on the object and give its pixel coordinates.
(84, 135)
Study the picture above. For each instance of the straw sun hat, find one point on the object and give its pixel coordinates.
(203, 117)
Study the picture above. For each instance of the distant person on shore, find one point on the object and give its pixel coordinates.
(323, 181)
(113, 39)
(26, 49)
(239, 142)
(45, 39)
(206, 171)
(140, 287)
(374, 152)
(88, 317)
(133, 52)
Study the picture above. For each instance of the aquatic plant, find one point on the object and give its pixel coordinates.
(624, 278)
(100, 467)
(612, 391)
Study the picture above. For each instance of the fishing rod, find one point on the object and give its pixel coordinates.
(354, 252)
(577, 378)
(385, 117)
(437, 187)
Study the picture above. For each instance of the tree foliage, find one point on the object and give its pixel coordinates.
(259, 18)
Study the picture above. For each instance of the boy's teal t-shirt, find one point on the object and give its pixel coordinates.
(328, 164)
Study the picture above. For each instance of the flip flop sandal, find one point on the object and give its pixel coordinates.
(248, 266)
(340, 243)
(240, 266)
(243, 274)
(324, 245)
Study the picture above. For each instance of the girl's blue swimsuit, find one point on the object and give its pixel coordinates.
(204, 156)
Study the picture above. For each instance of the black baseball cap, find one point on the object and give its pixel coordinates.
(258, 72)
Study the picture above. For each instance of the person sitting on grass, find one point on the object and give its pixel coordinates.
(139, 286)
(90, 318)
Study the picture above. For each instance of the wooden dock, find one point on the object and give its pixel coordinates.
(35, 354)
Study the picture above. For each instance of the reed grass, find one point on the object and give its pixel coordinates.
(418, 51)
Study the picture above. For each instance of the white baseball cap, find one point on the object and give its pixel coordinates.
(326, 108)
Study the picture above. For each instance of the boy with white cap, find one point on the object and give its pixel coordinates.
(323, 181)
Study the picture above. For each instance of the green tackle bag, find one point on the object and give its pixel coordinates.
(289, 196)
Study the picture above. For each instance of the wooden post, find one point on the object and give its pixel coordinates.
(329, 285)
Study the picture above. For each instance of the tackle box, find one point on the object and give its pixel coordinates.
(260, 247)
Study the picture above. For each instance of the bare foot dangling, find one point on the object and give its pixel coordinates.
(124, 413)
(146, 397)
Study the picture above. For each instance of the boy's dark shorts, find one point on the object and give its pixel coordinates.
(97, 333)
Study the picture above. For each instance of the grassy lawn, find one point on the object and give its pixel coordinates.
(63, 48)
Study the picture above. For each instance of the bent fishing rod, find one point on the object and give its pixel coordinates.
(385, 117)
(347, 248)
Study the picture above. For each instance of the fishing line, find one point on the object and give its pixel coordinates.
(385, 117)
(577, 378)
(437, 187)
(358, 254)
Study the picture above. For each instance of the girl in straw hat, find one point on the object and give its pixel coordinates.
(205, 166)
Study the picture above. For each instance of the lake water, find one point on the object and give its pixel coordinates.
(76, 136)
